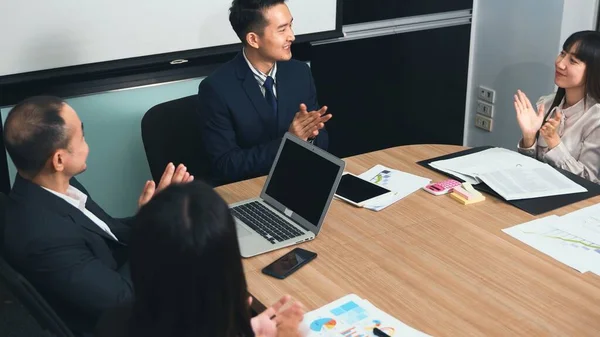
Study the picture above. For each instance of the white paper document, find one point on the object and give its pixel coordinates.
(527, 183)
(401, 183)
(584, 223)
(352, 316)
(510, 174)
(542, 234)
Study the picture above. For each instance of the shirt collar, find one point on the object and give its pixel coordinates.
(74, 196)
(578, 107)
(259, 74)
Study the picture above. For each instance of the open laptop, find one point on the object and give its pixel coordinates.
(294, 200)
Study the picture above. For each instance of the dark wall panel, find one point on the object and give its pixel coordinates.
(394, 90)
(357, 11)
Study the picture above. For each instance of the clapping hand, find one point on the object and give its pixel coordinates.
(170, 176)
(529, 120)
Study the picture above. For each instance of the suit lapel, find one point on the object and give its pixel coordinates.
(79, 218)
(32, 193)
(253, 92)
(284, 92)
(263, 108)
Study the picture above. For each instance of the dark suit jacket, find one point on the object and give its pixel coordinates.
(115, 322)
(78, 268)
(240, 131)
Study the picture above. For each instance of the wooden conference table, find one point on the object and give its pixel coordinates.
(441, 267)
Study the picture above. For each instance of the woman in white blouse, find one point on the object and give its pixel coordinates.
(565, 130)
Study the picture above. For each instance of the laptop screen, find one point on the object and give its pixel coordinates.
(302, 181)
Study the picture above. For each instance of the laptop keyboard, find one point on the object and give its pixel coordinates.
(265, 222)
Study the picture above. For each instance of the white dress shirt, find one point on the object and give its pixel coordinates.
(262, 77)
(579, 131)
(78, 199)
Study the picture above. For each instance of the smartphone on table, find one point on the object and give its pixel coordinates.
(289, 263)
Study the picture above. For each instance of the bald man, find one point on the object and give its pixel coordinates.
(73, 252)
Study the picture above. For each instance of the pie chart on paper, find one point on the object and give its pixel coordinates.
(322, 324)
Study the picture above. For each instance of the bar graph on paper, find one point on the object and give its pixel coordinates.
(560, 238)
(582, 225)
(356, 332)
(572, 241)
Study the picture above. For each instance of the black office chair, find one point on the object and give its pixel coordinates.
(172, 132)
(25, 293)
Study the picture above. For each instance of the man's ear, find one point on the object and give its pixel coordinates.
(252, 40)
(58, 160)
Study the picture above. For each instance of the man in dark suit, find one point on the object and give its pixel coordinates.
(72, 251)
(249, 103)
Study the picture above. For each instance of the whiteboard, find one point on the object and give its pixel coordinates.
(47, 34)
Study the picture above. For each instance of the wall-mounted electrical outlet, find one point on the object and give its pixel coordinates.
(483, 122)
(485, 109)
(486, 94)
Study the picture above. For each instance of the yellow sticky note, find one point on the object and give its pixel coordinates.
(464, 201)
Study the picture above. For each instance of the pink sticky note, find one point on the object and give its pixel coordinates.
(462, 192)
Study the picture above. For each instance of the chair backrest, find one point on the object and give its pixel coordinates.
(24, 292)
(3, 205)
(172, 132)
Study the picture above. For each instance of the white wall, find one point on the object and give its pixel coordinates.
(42, 34)
(578, 15)
(513, 46)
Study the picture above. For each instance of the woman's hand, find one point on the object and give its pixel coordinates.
(277, 321)
(529, 120)
(549, 130)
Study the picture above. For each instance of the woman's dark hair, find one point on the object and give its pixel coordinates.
(587, 49)
(186, 267)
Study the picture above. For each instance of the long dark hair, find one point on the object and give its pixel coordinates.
(186, 267)
(587, 49)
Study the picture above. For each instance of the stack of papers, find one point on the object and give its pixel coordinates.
(352, 316)
(573, 239)
(510, 174)
(401, 183)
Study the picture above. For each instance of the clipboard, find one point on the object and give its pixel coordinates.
(535, 206)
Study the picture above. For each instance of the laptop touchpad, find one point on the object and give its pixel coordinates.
(241, 231)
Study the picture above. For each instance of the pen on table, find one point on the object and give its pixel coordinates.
(380, 333)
